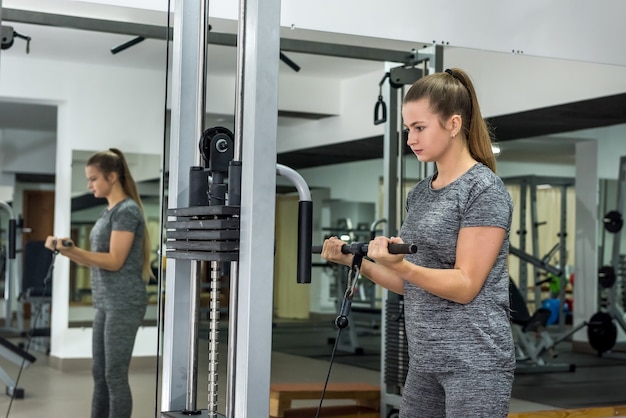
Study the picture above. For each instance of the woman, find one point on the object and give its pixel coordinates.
(120, 265)
(456, 295)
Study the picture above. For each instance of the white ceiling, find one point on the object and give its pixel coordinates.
(54, 43)
(95, 47)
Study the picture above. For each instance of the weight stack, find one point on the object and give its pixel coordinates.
(396, 348)
(203, 233)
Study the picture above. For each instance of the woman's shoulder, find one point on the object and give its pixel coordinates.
(128, 206)
(481, 180)
(481, 175)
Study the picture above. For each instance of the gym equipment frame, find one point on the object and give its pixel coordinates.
(11, 280)
(528, 188)
(250, 319)
(613, 311)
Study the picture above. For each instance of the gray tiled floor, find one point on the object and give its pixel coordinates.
(52, 394)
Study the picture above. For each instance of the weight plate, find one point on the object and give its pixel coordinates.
(601, 332)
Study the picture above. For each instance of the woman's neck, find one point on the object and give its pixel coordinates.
(115, 197)
(452, 167)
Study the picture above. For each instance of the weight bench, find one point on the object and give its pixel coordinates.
(532, 339)
(366, 400)
(16, 355)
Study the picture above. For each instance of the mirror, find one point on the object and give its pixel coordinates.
(85, 211)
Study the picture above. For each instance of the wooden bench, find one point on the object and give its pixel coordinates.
(337, 411)
(365, 396)
(603, 411)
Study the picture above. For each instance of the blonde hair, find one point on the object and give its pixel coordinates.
(113, 161)
(452, 93)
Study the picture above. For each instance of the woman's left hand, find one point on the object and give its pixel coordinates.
(378, 250)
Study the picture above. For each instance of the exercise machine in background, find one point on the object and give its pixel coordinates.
(529, 193)
(602, 331)
(535, 347)
(348, 220)
(11, 275)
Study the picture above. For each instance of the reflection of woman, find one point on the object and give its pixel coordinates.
(120, 265)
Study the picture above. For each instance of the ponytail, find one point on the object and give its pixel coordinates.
(450, 93)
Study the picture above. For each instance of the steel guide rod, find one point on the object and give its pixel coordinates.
(233, 303)
(215, 267)
(178, 374)
(196, 266)
(214, 318)
(259, 116)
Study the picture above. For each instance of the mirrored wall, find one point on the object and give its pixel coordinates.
(85, 211)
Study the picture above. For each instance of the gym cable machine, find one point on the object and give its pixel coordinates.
(254, 164)
(217, 224)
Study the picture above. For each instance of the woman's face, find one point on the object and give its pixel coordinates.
(426, 137)
(96, 182)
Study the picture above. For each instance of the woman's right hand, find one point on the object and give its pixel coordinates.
(51, 243)
(58, 244)
(331, 251)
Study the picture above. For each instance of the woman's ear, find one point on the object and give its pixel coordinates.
(113, 177)
(455, 124)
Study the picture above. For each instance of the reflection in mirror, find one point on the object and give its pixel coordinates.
(85, 211)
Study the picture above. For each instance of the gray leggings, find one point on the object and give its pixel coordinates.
(114, 333)
(476, 394)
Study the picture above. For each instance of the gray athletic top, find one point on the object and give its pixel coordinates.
(122, 289)
(445, 335)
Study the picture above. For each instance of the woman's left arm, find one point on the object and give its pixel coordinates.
(476, 253)
(119, 248)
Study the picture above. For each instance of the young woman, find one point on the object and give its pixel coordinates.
(456, 287)
(120, 266)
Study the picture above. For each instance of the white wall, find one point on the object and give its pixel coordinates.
(504, 83)
(611, 146)
(355, 107)
(507, 83)
(98, 108)
(33, 149)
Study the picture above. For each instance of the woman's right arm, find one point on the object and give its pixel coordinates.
(56, 244)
